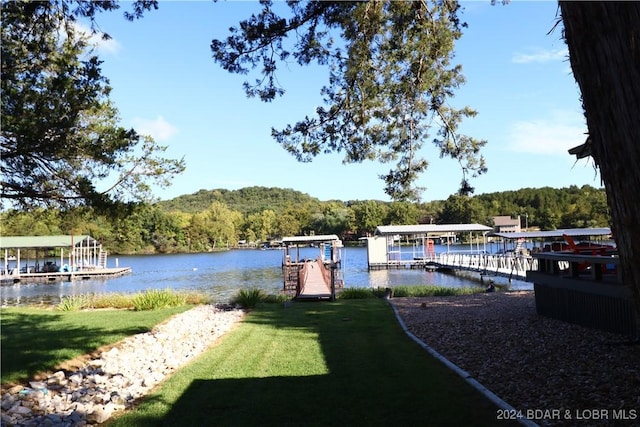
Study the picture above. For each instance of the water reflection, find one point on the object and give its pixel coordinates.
(220, 275)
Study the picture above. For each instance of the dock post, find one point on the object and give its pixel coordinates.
(333, 281)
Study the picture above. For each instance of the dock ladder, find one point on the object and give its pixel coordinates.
(102, 259)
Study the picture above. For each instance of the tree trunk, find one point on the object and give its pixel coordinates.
(604, 49)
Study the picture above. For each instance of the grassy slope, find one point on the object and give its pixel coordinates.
(315, 364)
(36, 340)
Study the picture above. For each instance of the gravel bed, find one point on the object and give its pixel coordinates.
(92, 389)
(557, 373)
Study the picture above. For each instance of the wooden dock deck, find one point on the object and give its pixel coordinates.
(314, 281)
(65, 276)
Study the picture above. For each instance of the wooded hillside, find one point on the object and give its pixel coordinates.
(213, 219)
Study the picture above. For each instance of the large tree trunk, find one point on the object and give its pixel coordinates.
(604, 49)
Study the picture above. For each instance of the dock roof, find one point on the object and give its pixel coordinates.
(573, 232)
(37, 242)
(385, 230)
(309, 239)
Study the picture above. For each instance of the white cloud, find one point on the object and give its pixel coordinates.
(541, 56)
(159, 129)
(550, 136)
(109, 46)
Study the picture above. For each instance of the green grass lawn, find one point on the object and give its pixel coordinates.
(36, 340)
(344, 363)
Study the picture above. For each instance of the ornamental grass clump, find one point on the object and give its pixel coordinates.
(356, 293)
(112, 300)
(155, 298)
(433, 291)
(276, 298)
(74, 303)
(249, 298)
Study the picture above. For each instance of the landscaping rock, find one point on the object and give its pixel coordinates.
(115, 378)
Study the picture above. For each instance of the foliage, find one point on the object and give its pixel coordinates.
(140, 301)
(61, 143)
(111, 300)
(390, 82)
(246, 200)
(153, 299)
(276, 299)
(148, 300)
(144, 228)
(432, 291)
(462, 209)
(73, 303)
(407, 291)
(356, 293)
(249, 298)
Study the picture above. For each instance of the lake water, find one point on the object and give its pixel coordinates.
(221, 274)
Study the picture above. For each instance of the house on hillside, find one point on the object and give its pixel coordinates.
(506, 224)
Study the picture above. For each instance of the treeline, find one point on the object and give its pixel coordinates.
(214, 219)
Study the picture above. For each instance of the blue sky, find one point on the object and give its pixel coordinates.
(166, 84)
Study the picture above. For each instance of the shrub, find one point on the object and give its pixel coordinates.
(73, 303)
(249, 298)
(430, 291)
(276, 299)
(196, 298)
(356, 293)
(112, 300)
(155, 298)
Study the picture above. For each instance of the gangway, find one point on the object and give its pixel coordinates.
(312, 278)
(315, 280)
(509, 266)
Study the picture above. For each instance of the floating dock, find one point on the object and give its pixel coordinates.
(312, 278)
(64, 276)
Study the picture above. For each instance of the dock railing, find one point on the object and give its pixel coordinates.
(585, 290)
(511, 266)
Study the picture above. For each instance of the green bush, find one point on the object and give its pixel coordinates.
(356, 293)
(112, 300)
(73, 303)
(148, 300)
(155, 298)
(276, 299)
(249, 298)
(431, 291)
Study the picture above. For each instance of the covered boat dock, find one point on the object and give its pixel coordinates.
(413, 246)
(54, 258)
(315, 278)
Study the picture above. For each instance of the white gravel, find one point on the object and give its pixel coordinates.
(112, 380)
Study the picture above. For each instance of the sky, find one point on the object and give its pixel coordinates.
(518, 77)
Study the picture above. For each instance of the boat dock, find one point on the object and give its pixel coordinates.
(312, 278)
(398, 247)
(64, 276)
(42, 259)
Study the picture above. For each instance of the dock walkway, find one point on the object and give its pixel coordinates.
(314, 281)
(512, 267)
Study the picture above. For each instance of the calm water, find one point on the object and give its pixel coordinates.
(221, 274)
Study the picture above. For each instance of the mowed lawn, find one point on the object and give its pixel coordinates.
(343, 363)
(36, 340)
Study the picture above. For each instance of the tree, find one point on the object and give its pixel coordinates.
(604, 50)
(401, 213)
(222, 225)
(459, 209)
(368, 215)
(61, 141)
(390, 81)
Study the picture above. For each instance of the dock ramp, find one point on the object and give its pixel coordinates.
(315, 280)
